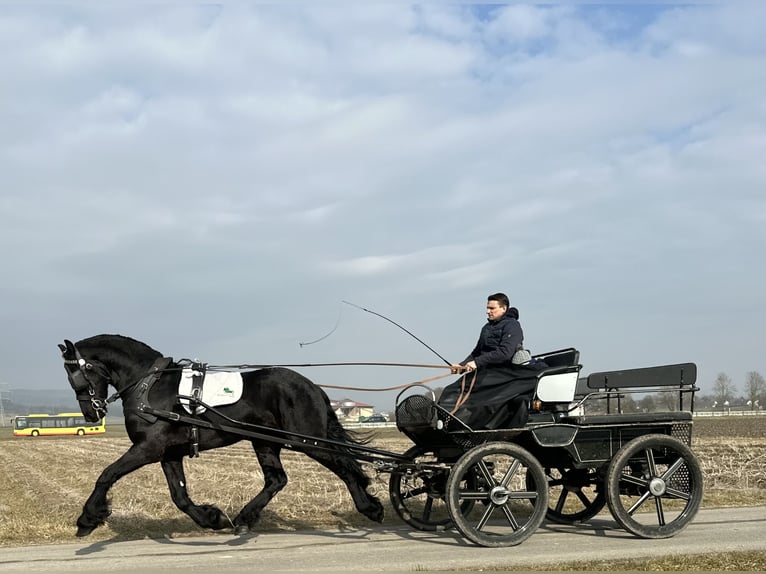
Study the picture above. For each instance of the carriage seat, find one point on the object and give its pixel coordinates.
(679, 378)
(568, 357)
(557, 384)
(682, 376)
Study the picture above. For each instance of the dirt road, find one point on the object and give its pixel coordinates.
(385, 549)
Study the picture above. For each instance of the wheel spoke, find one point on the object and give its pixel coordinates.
(412, 493)
(510, 517)
(427, 507)
(522, 495)
(636, 480)
(485, 517)
(660, 513)
(679, 494)
(584, 499)
(672, 469)
(650, 462)
(561, 501)
(486, 474)
(643, 498)
(475, 495)
(511, 472)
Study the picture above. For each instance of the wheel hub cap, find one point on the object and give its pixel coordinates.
(657, 486)
(498, 495)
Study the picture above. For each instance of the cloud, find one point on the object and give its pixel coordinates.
(414, 262)
(222, 175)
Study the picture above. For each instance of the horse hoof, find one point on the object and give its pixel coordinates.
(374, 512)
(241, 530)
(83, 531)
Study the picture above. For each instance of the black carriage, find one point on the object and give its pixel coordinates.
(497, 486)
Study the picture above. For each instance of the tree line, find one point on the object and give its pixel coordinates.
(725, 392)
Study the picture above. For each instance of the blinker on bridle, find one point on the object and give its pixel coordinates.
(83, 387)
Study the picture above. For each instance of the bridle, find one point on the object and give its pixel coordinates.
(84, 387)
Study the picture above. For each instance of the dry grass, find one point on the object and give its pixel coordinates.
(752, 561)
(45, 481)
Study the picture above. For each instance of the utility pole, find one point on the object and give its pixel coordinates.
(5, 394)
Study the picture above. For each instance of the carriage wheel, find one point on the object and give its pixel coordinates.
(418, 495)
(575, 494)
(508, 511)
(654, 486)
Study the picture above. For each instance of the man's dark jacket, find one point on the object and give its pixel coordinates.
(500, 391)
(498, 341)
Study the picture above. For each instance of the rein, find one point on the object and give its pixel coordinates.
(463, 396)
(292, 365)
(100, 405)
(245, 367)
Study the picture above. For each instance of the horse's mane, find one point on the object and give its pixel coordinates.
(119, 344)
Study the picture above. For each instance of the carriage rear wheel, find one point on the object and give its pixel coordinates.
(497, 476)
(575, 494)
(418, 494)
(654, 486)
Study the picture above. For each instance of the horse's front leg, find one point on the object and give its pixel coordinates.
(206, 515)
(96, 508)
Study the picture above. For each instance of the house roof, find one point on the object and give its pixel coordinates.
(349, 404)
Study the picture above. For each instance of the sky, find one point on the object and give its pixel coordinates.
(216, 179)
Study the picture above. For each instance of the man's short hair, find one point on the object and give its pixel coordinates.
(501, 298)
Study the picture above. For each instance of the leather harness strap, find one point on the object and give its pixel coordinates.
(198, 379)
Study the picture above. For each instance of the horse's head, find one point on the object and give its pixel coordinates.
(90, 380)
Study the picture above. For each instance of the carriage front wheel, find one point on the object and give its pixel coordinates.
(654, 486)
(418, 491)
(509, 489)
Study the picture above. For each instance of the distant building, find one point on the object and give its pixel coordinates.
(349, 410)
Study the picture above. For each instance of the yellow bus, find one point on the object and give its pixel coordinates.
(63, 423)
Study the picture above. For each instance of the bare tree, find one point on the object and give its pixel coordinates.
(723, 388)
(666, 401)
(755, 386)
(647, 404)
(628, 404)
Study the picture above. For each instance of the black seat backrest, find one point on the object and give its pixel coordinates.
(581, 388)
(680, 375)
(561, 358)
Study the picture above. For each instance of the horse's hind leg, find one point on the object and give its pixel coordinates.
(350, 472)
(274, 480)
(206, 515)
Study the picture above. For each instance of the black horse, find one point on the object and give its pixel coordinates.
(274, 397)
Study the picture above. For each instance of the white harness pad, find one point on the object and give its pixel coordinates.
(218, 389)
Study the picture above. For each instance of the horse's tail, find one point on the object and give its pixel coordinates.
(344, 462)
